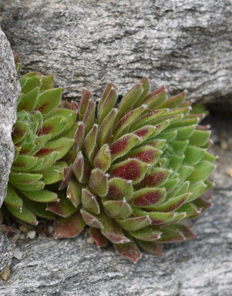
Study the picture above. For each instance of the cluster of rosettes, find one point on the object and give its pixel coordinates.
(137, 169)
(133, 170)
(42, 135)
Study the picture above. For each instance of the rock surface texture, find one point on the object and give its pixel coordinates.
(9, 92)
(182, 44)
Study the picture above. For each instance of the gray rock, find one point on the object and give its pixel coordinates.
(6, 252)
(182, 44)
(9, 92)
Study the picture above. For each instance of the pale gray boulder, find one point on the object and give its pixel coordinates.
(182, 44)
(9, 92)
(6, 252)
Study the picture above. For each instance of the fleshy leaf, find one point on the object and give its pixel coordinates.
(149, 118)
(201, 171)
(117, 208)
(185, 132)
(99, 238)
(31, 187)
(150, 247)
(108, 104)
(61, 145)
(128, 101)
(70, 226)
(92, 219)
(74, 192)
(131, 169)
(146, 88)
(98, 182)
(201, 205)
(123, 145)
(12, 198)
(53, 126)
(189, 209)
(29, 83)
(28, 101)
(127, 120)
(105, 129)
(23, 214)
(53, 174)
(199, 138)
(146, 154)
(46, 162)
(47, 82)
(147, 197)
(156, 218)
(24, 163)
(86, 95)
(79, 137)
(185, 231)
(184, 172)
(113, 232)
(63, 208)
(102, 160)
(66, 178)
(105, 95)
(89, 116)
(81, 168)
(119, 188)
(156, 100)
(135, 223)
(145, 132)
(173, 203)
(156, 177)
(129, 251)
(193, 155)
(49, 100)
(20, 130)
(40, 142)
(146, 234)
(39, 209)
(170, 235)
(179, 146)
(90, 144)
(173, 102)
(197, 189)
(41, 196)
(24, 178)
(89, 201)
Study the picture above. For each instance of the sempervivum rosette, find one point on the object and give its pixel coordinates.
(42, 135)
(138, 169)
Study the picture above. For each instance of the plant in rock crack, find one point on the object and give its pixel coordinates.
(137, 171)
(134, 171)
(42, 135)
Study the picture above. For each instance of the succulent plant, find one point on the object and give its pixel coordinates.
(134, 170)
(42, 135)
(137, 171)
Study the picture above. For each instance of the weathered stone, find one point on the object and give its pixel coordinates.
(183, 44)
(6, 252)
(9, 92)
